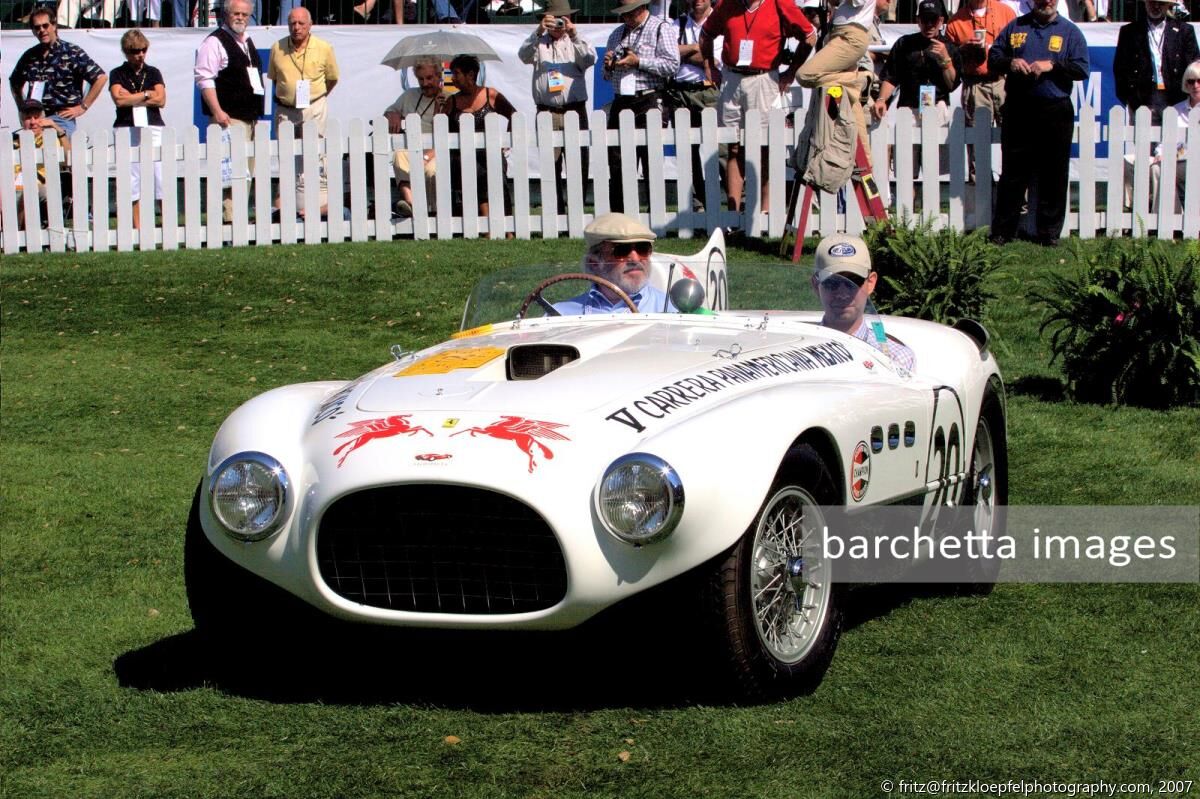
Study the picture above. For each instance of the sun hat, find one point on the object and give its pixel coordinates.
(630, 6)
(842, 254)
(616, 227)
(558, 8)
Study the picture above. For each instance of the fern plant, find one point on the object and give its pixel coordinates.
(1125, 326)
(936, 275)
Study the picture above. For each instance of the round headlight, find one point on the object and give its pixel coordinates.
(250, 495)
(640, 498)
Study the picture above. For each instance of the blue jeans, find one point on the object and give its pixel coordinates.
(67, 125)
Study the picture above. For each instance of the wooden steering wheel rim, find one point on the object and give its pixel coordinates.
(599, 281)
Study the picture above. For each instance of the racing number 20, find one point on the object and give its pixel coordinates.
(717, 289)
(947, 450)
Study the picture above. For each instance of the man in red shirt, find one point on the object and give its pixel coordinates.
(754, 32)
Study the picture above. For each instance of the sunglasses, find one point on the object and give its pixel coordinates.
(135, 50)
(623, 249)
(1191, 81)
(45, 26)
(843, 282)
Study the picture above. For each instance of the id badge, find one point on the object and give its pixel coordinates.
(141, 116)
(555, 81)
(303, 93)
(628, 84)
(928, 96)
(255, 80)
(745, 53)
(35, 90)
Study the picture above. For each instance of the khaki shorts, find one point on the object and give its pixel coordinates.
(741, 93)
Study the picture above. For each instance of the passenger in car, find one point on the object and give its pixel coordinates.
(844, 280)
(618, 249)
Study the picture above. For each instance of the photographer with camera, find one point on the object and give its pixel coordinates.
(560, 60)
(641, 56)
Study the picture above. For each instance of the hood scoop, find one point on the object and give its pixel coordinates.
(531, 361)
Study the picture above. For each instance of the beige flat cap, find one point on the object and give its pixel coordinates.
(616, 227)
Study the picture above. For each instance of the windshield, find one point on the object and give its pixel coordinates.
(733, 287)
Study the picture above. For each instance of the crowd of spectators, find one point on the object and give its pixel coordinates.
(1018, 64)
(207, 13)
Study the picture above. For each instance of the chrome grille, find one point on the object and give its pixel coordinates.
(440, 549)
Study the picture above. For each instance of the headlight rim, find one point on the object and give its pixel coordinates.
(285, 484)
(673, 484)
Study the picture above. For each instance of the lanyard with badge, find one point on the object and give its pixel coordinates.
(746, 46)
(1156, 52)
(304, 85)
(141, 114)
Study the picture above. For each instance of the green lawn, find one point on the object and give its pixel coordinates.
(117, 370)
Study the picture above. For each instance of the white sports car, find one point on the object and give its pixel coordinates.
(530, 473)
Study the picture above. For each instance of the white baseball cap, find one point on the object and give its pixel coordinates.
(842, 254)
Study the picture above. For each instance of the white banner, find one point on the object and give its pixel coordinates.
(367, 87)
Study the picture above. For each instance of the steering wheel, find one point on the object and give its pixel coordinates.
(536, 294)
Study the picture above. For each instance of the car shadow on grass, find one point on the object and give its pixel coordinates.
(642, 654)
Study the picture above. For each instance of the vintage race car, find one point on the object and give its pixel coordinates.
(532, 472)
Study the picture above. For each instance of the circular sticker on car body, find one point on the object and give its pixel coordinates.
(860, 471)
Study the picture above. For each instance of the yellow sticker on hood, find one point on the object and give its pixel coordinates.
(449, 360)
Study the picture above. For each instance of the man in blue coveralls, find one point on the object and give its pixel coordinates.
(619, 250)
(1040, 54)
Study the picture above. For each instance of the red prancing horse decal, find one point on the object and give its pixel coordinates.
(370, 429)
(522, 432)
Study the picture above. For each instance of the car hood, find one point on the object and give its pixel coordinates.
(618, 360)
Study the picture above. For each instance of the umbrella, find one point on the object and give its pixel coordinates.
(441, 45)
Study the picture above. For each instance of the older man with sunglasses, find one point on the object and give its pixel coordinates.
(844, 281)
(619, 250)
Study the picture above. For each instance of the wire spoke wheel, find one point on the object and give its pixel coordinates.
(790, 585)
(776, 598)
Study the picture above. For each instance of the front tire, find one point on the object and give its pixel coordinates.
(778, 605)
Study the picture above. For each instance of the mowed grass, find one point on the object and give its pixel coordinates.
(117, 370)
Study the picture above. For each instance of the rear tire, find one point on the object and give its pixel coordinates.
(778, 607)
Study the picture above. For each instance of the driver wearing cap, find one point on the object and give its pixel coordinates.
(619, 250)
(844, 280)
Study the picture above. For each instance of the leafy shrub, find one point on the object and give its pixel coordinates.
(1126, 326)
(928, 274)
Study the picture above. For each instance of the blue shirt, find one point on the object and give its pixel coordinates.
(648, 300)
(1059, 41)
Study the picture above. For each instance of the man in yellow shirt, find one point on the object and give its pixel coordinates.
(305, 71)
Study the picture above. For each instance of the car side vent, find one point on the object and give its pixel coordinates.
(531, 361)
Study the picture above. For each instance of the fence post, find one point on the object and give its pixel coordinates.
(169, 158)
(576, 177)
(1115, 212)
(549, 188)
(1167, 219)
(54, 207)
(1191, 205)
(358, 181)
(9, 231)
(598, 158)
(286, 142)
(1087, 174)
(335, 147)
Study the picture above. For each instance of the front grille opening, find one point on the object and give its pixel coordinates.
(531, 361)
(440, 549)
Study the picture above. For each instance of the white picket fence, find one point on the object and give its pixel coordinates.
(190, 216)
